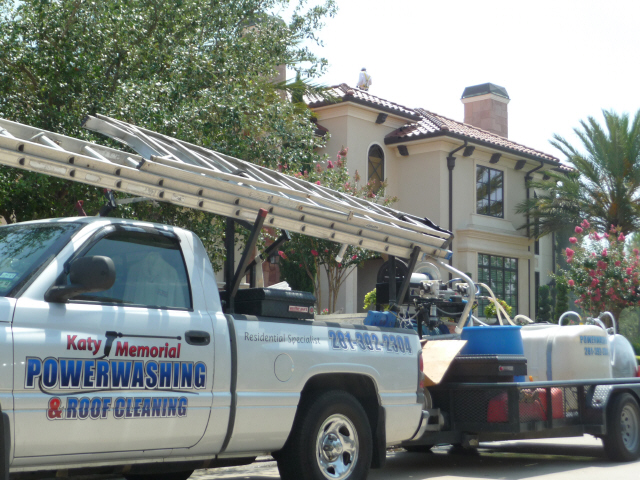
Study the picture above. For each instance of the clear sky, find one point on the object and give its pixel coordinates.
(560, 61)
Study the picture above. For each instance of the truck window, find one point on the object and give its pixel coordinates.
(150, 271)
(26, 248)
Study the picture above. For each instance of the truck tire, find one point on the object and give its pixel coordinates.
(330, 440)
(622, 441)
(160, 476)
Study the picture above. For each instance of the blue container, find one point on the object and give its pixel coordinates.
(380, 319)
(500, 340)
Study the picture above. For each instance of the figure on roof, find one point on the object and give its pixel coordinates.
(364, 80)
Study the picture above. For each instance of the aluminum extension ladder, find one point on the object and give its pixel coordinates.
(170, 170)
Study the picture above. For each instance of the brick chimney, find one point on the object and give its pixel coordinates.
(485, 107)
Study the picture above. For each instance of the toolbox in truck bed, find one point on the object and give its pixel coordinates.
(486, 368)
(273, 302)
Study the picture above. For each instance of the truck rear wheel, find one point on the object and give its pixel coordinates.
(331, 440)
(622, 441)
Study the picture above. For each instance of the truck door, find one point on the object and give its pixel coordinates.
(126, 369)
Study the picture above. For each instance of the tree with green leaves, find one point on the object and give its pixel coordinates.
(633, 242)
(197, 70)
(562, 298)
(544, 304)
(604, 186)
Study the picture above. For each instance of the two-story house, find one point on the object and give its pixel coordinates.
(466, 177)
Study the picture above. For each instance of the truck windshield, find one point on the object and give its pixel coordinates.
(25, 248)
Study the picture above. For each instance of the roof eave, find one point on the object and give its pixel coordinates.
(396, 140)
(352, 99)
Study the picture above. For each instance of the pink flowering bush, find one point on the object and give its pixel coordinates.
(602, 275)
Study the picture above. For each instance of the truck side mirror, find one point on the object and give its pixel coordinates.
(87, 274)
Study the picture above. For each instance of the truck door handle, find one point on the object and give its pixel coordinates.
(197, 338)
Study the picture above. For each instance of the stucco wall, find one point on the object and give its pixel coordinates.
(354, 127)
(420, 181)
(545, 260)
(477, 233)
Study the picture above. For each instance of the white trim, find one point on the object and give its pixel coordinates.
(486, 96)
(493, 243)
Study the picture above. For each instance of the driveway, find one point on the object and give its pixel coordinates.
(557, 459)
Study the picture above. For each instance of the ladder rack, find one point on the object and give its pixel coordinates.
(170, 170)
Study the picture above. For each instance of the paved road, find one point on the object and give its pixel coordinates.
(558, 459)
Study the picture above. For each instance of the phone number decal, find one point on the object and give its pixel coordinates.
(598, 351)
(371, 342)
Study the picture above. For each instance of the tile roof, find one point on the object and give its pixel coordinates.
(427, 124)
(345, 93)
(431, 125)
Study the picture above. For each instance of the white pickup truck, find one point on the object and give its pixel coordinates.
(117, 357)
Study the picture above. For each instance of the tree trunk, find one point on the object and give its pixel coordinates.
(318, 293)
(616, 311)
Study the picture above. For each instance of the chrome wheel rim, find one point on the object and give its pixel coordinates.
(629, 427)
(337, 447)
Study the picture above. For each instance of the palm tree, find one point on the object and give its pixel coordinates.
(604, 188)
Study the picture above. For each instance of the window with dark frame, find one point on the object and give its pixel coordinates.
(489, 192)
(501, 274)
(375, 167)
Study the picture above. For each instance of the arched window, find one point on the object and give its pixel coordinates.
(376, 167)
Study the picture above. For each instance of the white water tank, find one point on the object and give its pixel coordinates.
(624, 363)
(569, 352)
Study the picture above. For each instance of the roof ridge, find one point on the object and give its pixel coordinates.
(433, 117)
(365, 92)
(429, 112)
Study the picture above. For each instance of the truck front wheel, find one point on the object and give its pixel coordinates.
(331, 440)
(622, 441)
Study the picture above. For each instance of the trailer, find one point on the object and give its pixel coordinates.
(525, 391)
(465, 414)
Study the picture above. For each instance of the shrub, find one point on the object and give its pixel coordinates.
(544, 303)
(599, 271)
(490, 310)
